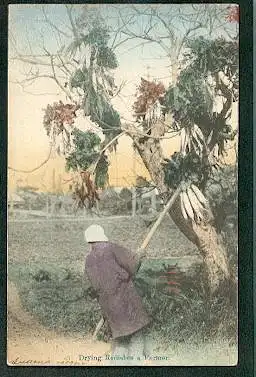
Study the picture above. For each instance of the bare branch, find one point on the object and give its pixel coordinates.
(30, 80)
(133, 131)
(54, 76)
(170, 31)
(38, 167)
(93, 168)
(28, 60)
(189, 31)
(117, 32)
(37, 94)
(47, 20)
(144, 36)
(121, 42)
(149, 39)
(64, 65)
(58, 82)
(69, 13)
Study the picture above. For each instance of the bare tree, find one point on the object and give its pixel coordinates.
(169, 27)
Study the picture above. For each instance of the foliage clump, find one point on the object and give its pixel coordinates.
(186, 168)
(233, 14)
(148, 92)
(96, 80)
(85, 152)
(209, 64)
(58, 119)
(209, 76)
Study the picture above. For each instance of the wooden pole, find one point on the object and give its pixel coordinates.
(160, 219)
(147, 240)
(98, 327)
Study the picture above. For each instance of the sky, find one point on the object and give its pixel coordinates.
(28, 142)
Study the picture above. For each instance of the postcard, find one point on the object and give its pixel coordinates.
(123, 185)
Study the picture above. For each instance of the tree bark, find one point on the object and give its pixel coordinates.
(204, 236)
(211, 248)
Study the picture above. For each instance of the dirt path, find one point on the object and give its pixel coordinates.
(29, 343)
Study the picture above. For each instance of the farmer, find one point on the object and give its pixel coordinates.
(110, 268)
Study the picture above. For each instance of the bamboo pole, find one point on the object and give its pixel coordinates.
(147, 240)
(98, 327)
(160, 218)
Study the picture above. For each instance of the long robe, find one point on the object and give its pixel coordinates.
(110, 268)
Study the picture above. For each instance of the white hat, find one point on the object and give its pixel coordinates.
(95, 233)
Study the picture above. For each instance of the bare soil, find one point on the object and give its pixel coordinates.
(29, 343)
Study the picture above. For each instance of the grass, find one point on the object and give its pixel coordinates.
(46, 261)
(62, 241)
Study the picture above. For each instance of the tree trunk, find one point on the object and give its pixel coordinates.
(211, 248)
(205, 237)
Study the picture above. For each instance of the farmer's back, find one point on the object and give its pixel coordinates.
(110, 268)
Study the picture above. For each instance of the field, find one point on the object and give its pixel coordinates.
(57, 247)
(62, 240)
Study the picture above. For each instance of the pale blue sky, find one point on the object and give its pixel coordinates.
(134, 60)
(27, 27)
(25, 109)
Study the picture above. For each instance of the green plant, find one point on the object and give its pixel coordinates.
(85, 152)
